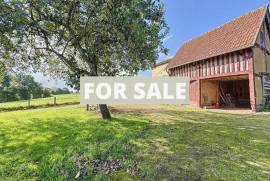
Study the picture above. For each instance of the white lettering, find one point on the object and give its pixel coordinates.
(180, 90)
(88, 90)
(139, 92)
(119, 91)
(166, 92)
(108, 91)
(153, 91)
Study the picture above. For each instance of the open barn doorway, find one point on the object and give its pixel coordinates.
(226, 92)
(234, 93)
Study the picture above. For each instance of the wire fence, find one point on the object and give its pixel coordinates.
(67, 99)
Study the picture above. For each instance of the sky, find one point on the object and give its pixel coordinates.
(190, 18)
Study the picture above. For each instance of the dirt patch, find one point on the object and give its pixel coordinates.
(136, 171)
(135, 109)
(82, 162)
(106, 165)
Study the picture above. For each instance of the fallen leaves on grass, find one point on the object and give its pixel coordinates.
(106, 165)
(82, 163)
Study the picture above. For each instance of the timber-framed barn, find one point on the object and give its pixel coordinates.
(230, 64)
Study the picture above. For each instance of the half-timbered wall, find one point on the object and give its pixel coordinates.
(216, 66)
(261, 54)
(234, 63)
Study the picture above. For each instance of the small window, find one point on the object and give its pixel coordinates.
(263, 40)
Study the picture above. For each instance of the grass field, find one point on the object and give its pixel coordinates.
(60, 100)
(139, 143)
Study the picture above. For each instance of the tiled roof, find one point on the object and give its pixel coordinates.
(163, 62)
(237, 34)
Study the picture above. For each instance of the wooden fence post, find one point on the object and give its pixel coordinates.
(54, 101)
(87, 107)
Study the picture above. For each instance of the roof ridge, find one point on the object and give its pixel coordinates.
(238, 17)
(164, 61)
(237, 34)
(258, 30)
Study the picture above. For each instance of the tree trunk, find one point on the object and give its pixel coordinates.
(104, 111)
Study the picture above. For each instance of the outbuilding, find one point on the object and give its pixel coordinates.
(160, 69)
(228, 66)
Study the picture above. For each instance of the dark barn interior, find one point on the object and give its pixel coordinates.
(226, 92)
(234, 93)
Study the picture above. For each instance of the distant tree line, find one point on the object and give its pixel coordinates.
(24, 87)
(59, 91)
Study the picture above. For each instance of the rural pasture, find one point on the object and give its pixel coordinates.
(41, 102)
(140, 143)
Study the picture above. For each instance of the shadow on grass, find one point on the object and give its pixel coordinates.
(177, 145)
(45, 149)
(201, 145)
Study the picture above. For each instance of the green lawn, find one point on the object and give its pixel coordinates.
(139, 143)
(60, 100)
